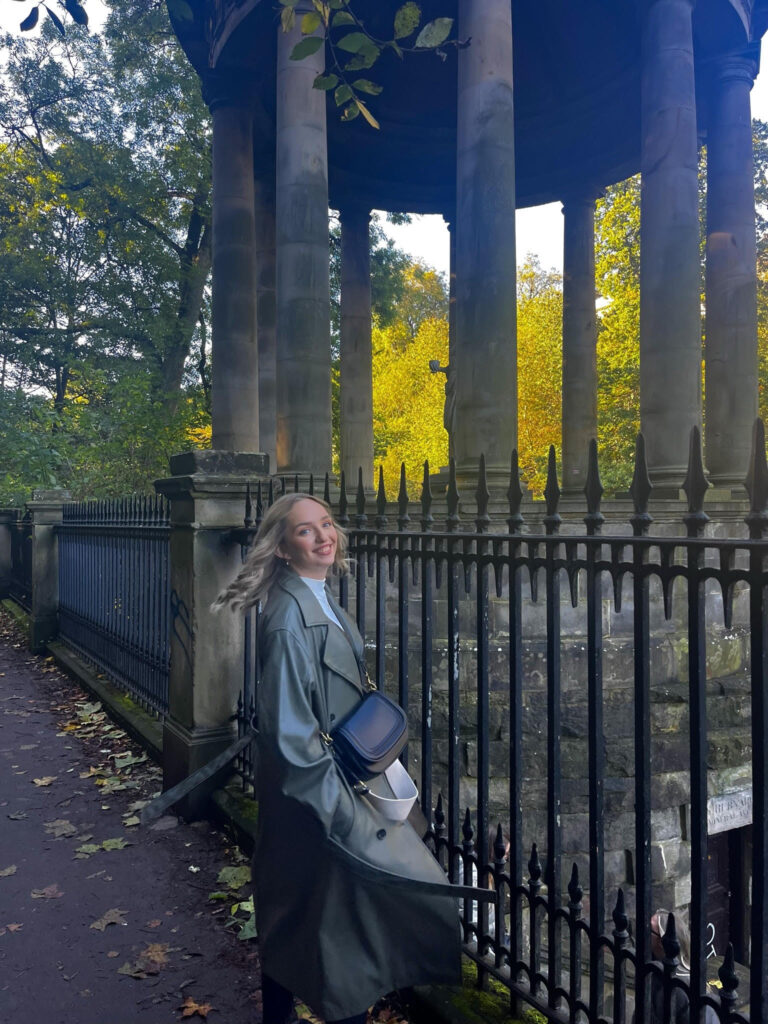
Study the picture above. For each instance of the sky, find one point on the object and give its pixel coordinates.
(539, 229)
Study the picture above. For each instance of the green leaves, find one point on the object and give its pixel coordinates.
(31, 20)
(306, 47)
(310, 23)
(407, 20)
(325, 82)
(342, 18)
(365, 85)
(342, 94)
(354, 42)
(434, 33)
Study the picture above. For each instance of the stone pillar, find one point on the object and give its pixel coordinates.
(234, 392)
(265, 310)
(46, 508)
(670, 314)
(303, 289)
(8, 517)
(207, 496)
(579, 339)
(356, 398)
(731, 333)
(486, 302)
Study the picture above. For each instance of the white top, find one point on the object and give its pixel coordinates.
(318, 589)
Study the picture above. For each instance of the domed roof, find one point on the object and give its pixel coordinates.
(577, 94)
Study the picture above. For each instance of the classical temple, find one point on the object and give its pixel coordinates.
(549, 101)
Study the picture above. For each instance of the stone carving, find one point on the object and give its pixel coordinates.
(449, 409)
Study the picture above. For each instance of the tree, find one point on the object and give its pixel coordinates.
(105, 220)
(539, 368)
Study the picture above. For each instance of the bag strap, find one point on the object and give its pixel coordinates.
(155, 808)
(365, 679)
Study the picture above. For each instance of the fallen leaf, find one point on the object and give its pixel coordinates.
(189, 1008)
(219, 895)
(234, 878)
(126, 760)
(112, 954)
(14, 927)
(132, 820)
(28, 746)
(18, 816)
(133, 970)
(115, 844)
(50, 892)
(45, 781)
(113, 916)
(60, 828)
(154, 924)
(156, 952)
(5, 872)
(86, 850)
(193, 869)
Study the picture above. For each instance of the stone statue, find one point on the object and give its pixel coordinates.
(449, 409)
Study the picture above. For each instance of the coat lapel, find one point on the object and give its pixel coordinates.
(338, 655)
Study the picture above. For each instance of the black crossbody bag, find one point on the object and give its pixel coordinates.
(369, 738)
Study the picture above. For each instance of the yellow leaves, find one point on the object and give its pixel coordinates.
(190, 1008)
(408, 402)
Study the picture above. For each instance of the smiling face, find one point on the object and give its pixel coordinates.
(309, 545)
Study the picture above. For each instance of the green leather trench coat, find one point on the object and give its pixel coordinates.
(338, 925)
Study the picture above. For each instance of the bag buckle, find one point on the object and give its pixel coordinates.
(361, 788)
(372, 687)
(326, 738)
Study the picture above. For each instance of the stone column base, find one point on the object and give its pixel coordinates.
(184, 751)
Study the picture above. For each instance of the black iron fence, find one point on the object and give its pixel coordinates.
(20, 584)
(114, 591)
(441, 610)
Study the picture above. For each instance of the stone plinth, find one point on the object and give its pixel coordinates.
(46, 508)
(207, 498)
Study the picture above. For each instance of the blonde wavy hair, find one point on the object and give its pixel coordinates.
(263, 564)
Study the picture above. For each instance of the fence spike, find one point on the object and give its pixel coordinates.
(327, 489)
(575, 891)
(482, 497)
(439, 814)
(259, 503)
(466, 829)
(343, 504)
(283, 486)
(381, 495)
(426, 499)
(640, 489)
(593, 491)
(248, 518)
(757, 484)
(311, 484)
(452, 496)
(514, 495)
(534, 864)
(620, 919)
(402, 501)
(695, 486)
(671, 945)
(271, 492)
(552, 494)
(499, 847)
(295, 483)
(361, 516)
(729, 979)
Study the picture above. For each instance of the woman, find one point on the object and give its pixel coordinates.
(340, 917)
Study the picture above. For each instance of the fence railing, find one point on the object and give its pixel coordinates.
(441, 611)
(20, 583)
(114, 591)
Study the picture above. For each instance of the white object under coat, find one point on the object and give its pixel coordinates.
(393, 793)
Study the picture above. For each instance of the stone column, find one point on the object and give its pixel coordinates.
(265, 309)
(234, 393)
(579, 339)
(486, 304)
(670, 314)
(356, 398)
(207, 496)
(46, 508)
(303, 290)
(8, 517)
(731, 333)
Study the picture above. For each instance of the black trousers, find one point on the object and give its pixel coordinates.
(277, 1003)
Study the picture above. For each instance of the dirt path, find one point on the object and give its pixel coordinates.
(101, 921)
